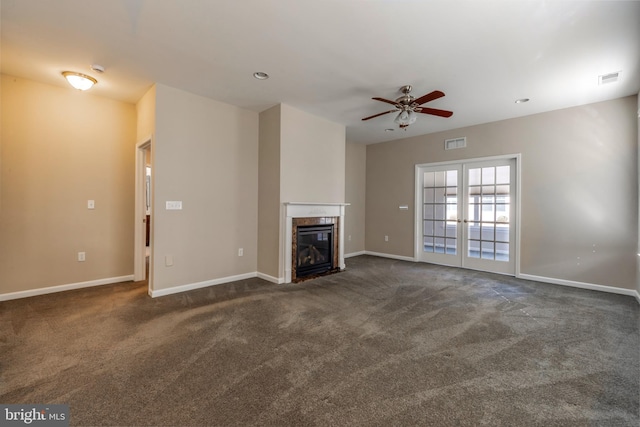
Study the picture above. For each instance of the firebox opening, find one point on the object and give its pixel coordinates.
(314, 250)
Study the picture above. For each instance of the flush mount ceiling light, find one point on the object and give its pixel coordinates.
(78, 80)
(260, 75)
(522, 100)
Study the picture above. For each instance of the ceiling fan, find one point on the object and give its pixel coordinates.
(407, 106)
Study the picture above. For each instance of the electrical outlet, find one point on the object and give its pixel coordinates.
(174, 205)
(81, 256)
(91, 204)
(168, 260)
(386, 238)
(240, 252)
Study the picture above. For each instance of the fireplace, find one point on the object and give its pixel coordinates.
(314, 250)
(321, 242)
(314, 247)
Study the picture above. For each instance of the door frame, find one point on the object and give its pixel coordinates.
(140, 214)
(516, 202)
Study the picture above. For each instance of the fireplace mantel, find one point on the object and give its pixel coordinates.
(310, 210)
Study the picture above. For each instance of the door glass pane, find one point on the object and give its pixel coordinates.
(428, 228)
(474, 249)
(488, 175)
(488, 190)
(503, 175)
(502, 213)
(487, 232)
(487, 250)
(452, 229)
(489, 212)
(502, 190)
(473, 231)
(452, 178)
(428, 244)
(428, 212)
(502, 233)
(440, 211)
(429, 195)
(452, 212)
(452, 249)
(474, 177)
(429, 179)
(502, 251)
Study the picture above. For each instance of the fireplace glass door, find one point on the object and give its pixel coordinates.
(314, 252)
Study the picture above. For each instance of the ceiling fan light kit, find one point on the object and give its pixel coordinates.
(407, 106)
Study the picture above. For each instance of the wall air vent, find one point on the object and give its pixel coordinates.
(452, 144)
(609, 78)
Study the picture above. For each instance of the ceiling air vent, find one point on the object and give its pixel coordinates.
(452, 144)
(609, 78)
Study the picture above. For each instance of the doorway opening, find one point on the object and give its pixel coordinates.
(143, 226)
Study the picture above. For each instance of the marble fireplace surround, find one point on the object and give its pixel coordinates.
(311, 210)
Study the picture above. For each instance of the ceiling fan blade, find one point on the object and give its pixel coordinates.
(428, 97)
(434, 111)
(388, 101)
(379, 114)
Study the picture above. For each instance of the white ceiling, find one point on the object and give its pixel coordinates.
(330, 57)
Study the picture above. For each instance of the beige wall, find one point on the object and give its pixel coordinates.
(60, 148)
(206, 155)
(146, 115)
(302, 159)
(311, 158)
(269, 194)
(355, 188)
(579, 216)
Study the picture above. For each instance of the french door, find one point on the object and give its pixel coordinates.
(467, 214)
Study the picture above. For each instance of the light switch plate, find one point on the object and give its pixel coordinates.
(91, 204)
(174, 205)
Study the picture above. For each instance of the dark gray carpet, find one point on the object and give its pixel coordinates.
(384, 343)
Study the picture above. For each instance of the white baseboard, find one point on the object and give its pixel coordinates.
(198, 285)
(62, 288)
(581, 285)
(638, 297)
(276, 280)
(352, 254)
(392, 256)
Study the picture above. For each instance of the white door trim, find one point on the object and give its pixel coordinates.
(418, 197)
(140, 212)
